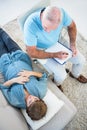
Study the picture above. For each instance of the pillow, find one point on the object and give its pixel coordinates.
(53, 106)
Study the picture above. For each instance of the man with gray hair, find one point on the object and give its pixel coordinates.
(41, 30)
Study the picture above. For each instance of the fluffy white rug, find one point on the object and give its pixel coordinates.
(74, 90)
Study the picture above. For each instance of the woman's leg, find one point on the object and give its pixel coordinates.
(3, 48)
(8, 43)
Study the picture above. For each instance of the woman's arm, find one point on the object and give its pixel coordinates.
(19, 80)
(30, 73)
(22, 78)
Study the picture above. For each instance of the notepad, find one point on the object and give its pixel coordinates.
(60, 47)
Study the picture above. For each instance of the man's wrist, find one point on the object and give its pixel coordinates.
(73, 45)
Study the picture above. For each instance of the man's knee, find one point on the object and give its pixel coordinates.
(60, 78)
(79, 59)
(83, 60)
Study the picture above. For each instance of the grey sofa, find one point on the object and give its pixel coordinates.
(12, 119)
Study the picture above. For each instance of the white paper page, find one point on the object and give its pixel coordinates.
(59, 47)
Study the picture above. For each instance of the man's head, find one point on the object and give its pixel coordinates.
(36, 108)
(50, 18)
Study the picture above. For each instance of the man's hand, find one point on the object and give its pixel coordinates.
(62, 55)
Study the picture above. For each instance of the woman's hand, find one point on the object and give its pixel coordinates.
(25, 73)
(21, 80)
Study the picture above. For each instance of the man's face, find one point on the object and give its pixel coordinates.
(48, 26)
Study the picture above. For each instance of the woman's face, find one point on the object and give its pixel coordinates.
(31, 99)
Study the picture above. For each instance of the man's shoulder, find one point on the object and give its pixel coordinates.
(34, 16)
(65, 17)
(33, 21)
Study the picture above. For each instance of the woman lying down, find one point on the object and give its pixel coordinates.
(23, 88)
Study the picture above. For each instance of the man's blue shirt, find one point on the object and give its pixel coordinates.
(10, 65)
(34, 34)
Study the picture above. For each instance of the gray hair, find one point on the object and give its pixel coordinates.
(52, 13)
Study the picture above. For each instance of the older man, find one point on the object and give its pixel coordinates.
(41, 30)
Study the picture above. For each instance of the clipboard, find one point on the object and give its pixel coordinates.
(60, 47)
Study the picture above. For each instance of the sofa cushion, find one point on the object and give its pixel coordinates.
(53, 106)
(12, 119)
(3, 101)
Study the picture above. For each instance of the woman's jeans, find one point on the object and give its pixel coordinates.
(7, 45)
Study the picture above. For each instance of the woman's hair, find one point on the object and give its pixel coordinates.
(37, 110)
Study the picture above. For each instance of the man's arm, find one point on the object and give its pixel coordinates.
(41, 54)
(72, 31)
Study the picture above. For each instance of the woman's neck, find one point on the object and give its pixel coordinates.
(26, 94)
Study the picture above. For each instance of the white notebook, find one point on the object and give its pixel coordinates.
(56, 48)
(60, 47)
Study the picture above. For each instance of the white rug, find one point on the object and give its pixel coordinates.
(74, 90)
